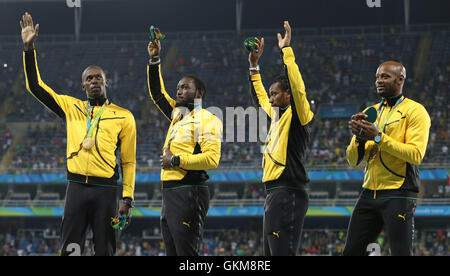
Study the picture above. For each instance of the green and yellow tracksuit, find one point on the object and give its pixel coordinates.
(289, 130)
(284, 174)
(194, 136)
(402, 147)
(391, 178)
(116, 127)
(92, 194)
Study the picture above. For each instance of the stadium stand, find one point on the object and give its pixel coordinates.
(234, 242)
(338, 70)
(6, 139)
(43, 149)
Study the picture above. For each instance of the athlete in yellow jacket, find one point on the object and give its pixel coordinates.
(192, 146)
(392, 147)
(284, 174)
(95, 130)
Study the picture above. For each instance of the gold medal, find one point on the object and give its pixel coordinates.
(88, 143)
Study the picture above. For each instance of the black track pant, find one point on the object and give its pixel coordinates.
(370, 216)
(88, 205)
(182, 219)
(284, 214)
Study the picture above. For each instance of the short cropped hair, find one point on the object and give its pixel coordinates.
(199, 84)
(283, 82)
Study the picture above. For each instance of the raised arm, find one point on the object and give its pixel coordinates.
(299, 102)
(257, 90)
(43, 93)
(156, 88)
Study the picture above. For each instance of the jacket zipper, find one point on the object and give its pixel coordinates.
(379, 153)
(89, 151)
(374, 183)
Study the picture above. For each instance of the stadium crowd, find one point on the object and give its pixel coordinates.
(232, 242)
(44, 149)
(6, 139)
(336, 70)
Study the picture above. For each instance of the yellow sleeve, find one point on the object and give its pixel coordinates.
(416, 138)
(128, 155)
(356, 152)
(209, 138)
(298, 93)
(261, 94)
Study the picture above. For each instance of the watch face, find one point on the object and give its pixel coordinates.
(377, 138)
(129, 203)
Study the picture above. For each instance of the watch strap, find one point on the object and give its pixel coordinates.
(254, 68)
(128, 201)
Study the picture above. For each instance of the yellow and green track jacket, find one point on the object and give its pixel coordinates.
(393, 170)
(289, 132)
(96, 166)
(194, 136)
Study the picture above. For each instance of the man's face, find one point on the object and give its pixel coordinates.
(278, 97)
(94, 82)
(388, 81)
(186, 92)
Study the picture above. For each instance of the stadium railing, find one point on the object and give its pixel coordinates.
(230, 167)
(220, 202)
(120, 37)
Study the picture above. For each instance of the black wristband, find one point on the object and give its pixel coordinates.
(150, 62)
(128, 201)
(175, 161)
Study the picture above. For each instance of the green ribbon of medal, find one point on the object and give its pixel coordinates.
(375, 148)
(88, 142)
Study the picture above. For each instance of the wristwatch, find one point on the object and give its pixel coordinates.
(158, 61)
(254, 68)
(128, 201)
(175, 161)
(377, 138)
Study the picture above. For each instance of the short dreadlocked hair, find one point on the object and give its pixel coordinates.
(199, 84)
(283, 82)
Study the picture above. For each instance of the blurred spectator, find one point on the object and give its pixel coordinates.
(336, 69)
(228, 242)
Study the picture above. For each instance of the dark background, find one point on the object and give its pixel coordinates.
(135, 16)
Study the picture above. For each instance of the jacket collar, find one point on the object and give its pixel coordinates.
(392, 100)
(96, 101)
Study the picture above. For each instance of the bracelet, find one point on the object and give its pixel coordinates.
(254, 68)
(129, 202)
(154, 62)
